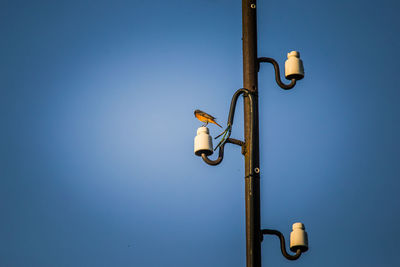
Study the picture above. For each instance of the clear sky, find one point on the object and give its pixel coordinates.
(96, 138)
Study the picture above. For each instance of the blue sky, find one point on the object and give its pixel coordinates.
(97, 165)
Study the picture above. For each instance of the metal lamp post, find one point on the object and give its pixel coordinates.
(250, 146)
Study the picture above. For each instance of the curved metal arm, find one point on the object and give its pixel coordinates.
(233, 104)
(277, 73)
(230, 123)
(221, 152)
(283, 247)
(218, 160)
(249, 94)
(227, 133)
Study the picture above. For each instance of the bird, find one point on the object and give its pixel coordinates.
(204, 117)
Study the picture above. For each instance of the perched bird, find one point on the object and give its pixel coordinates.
(204, 117)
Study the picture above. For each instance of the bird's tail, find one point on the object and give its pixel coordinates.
(216, 123)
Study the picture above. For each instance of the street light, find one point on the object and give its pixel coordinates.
(203, 147)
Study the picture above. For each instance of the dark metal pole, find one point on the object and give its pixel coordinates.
(251, 134)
